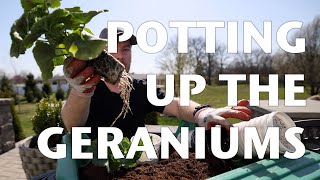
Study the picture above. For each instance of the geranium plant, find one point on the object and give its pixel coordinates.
(59, 33)
(111, 163)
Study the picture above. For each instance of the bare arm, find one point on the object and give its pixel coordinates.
(75, 111)
(181, 112)
(83, 81)
(208, 117)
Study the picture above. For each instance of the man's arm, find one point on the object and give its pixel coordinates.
(208, 117)
(181, 112)
(83, 81)
(75, 111)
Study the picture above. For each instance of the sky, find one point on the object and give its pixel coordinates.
(138, 12)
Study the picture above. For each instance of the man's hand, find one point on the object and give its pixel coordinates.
(80, 76)
(209, 117)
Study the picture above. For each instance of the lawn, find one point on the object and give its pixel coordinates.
(25, 111)
(214, 95)
(217, 97)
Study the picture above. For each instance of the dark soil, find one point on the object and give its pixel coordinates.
(172, 168)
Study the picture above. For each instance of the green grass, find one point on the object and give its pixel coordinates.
(25, 111)
(170, 121)
(217, 97)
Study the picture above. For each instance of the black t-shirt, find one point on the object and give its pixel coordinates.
(105, 107)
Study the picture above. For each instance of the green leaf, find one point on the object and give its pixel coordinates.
(17, 47)
(51, 25)
(59, 60)
(74, 9)
(111, 163)
(61, 55)
(73, 49)
(84, 18)
(84, 49)
(94, 149)
(21, 28)
(54, 3)
(43, 54)
(125, 145)
(88, 31)
(27, 5)
(78, 19)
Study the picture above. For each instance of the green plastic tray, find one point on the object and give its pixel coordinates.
(306, 167)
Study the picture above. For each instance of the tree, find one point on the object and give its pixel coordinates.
(308, 62)
(60, 94)
(197, 54)
(280, 63)
(222, 56)
(46, 89)
(246, 63)
(211, 66)
(6, 88)
(172, 62)
(31, 91)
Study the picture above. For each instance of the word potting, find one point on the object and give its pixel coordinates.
(182, 146)
(249, 29)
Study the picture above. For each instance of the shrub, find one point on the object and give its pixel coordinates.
(38, 95)
(47, 115)
(60, 94)
(6, 89)
(29, 96)
(152, 118)
(16, 124)
(31, 91)
(46, 88)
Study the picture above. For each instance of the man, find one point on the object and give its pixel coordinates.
(95, 103)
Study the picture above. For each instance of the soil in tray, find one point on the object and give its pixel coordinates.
(172, 168)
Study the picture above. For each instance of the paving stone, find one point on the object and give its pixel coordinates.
(11, 166)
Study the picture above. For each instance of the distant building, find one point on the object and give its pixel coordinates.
(160, 78)
(57, 81)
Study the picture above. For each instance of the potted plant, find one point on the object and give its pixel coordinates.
(47, 115)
